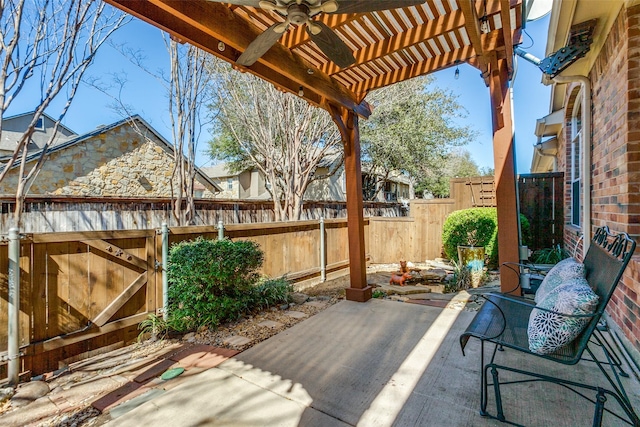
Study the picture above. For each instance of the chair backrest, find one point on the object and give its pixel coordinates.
(605, 262)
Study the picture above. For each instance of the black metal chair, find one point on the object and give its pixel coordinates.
(503, 320)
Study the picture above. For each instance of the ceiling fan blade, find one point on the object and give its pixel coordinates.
(363, 6)
(259, 46)
(332, 45)
(252, 3)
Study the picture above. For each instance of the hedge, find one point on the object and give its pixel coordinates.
(476, 227)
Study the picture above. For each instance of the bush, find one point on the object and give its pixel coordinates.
(552, 255)
(270, 292)
(476, 227)
(211, 281)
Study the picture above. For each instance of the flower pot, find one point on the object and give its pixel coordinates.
(472, 257)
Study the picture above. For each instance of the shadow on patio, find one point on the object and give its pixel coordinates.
(378, 363)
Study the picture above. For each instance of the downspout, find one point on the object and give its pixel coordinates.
(586, 152)
(586, 158)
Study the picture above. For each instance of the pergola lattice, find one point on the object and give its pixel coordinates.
(388, 46)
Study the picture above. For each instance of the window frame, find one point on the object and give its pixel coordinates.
(575, 161)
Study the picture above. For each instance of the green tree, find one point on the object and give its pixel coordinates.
(280, 134)
(458, 164)
(411, 131)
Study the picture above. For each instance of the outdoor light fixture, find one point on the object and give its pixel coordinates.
(456, 74)
(221, 46)
(484, 21)
(300, 91)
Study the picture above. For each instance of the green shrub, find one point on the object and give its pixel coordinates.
(552, 255)
(211, 281)
(270, 292)
(476, 227)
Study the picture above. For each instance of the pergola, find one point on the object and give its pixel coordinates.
(388, 47)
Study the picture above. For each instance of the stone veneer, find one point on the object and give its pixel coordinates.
(117, 162)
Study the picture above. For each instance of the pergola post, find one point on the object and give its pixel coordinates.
(347, 122)
(505, 178)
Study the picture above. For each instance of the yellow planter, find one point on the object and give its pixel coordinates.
(472, 257)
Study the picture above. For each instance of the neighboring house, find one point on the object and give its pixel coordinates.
(593, 135)
(247, 184)
(251, 183)
(14, 127)
(125, 159)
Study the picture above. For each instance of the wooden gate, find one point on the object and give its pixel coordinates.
(80, 292)
(541, 199)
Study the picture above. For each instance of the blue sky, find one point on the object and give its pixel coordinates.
(147, 96)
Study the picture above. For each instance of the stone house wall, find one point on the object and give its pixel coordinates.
(117, 162)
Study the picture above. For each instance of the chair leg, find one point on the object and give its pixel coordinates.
(496, 389)
(483, 383)
(601, 398)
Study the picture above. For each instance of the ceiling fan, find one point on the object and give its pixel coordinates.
(299, 12)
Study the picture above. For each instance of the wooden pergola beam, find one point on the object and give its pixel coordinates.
(472, 25)
(217, 23)
(505, 17)
(505, 181)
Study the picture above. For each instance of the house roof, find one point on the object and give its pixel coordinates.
(219, 171)
(30, 113)
(103, 129)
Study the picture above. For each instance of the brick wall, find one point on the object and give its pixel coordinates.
(615, 190)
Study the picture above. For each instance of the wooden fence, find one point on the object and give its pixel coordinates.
(85, 292)
(541, 198)
(45, 214)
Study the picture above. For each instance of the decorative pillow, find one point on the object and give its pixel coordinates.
(550, 331)
(566, 269)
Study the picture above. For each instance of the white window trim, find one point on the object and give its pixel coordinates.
(575, 163)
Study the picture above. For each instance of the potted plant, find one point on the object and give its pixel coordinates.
(471, 257)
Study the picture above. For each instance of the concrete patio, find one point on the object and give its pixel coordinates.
(379, 363)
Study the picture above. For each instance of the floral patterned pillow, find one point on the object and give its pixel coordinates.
(550, 331)
(561, 272)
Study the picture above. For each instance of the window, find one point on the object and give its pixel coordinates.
(575, 162)
(40, 124)
(229, 183)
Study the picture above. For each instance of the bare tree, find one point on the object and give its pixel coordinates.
(280, 134)
(187, 93)
(53, 42)
(186, 85)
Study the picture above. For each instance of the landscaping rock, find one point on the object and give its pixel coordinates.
(299, 298)
(190, 337)
(5, 394)
(28, 392)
